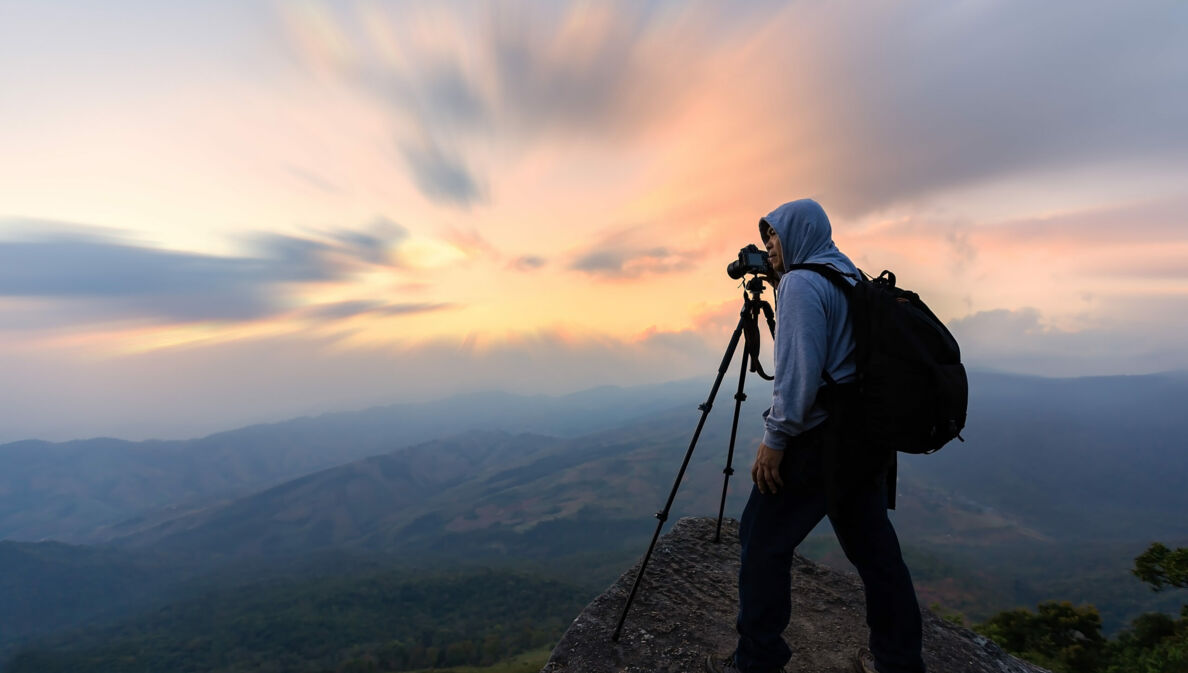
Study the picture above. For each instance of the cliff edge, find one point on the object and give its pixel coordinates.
(686, 606)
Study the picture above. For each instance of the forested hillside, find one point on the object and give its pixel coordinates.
(381, 621)
(1059, 485)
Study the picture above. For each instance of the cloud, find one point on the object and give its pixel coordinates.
(1001, 325)
(864, 107)
(99, 277)
(528, 263)
(373, 244)
(627, 252)
(523, 70)
(1020, 341)
(1174, 266)
(582, 72)
(439, 87)
(1160, 220)
(508, 77)
(915, 97)
(470, 242)
(220, 385)
(617, 262)
(192, 391)
(1064, 263)
(441, 175)
(140, 281)
(315, 180)
(349, 309)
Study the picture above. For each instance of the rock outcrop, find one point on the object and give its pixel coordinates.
(686, 607)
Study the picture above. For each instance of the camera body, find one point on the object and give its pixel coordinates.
(750, 260)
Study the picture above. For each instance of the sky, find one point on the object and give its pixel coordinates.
(233, 211)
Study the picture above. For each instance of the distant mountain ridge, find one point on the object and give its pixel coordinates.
(1016, 478)
(472, 482)
(77, 491)
(1100, 458)
(1050, 468)
(354, 504)
(1079, 458)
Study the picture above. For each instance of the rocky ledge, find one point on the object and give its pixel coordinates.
(686, 606)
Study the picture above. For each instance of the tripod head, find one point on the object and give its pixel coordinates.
(755, 283)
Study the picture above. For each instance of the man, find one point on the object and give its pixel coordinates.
(810, 465)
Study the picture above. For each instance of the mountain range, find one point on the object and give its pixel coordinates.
(92, 490)
(1057, 480)
(1092, 460)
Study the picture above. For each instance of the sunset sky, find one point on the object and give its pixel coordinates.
(230, 211)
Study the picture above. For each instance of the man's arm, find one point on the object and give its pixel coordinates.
(800, 349)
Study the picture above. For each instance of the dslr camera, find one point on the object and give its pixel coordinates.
(750, 260)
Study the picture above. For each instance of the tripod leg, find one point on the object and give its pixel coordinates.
(662, 515)
(739, 397)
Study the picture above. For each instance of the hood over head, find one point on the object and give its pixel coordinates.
(805, 236)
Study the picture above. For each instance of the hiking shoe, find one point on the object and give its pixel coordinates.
(724, 663)
(863, 662)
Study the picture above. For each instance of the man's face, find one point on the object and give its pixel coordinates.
(775, 251)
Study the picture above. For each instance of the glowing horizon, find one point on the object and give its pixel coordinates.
(381, 182)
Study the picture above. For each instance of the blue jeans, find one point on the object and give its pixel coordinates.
(771, 528)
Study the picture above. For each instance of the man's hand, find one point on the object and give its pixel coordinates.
(766, 470)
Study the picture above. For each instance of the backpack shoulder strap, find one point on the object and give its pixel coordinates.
(839, 280)
(831, 274)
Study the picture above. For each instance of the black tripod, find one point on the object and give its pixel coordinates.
(748, 326)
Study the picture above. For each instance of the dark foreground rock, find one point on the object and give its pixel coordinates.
(686, 607)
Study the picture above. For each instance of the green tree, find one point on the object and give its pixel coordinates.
(1156, 643)
(492, 648)
(1060, 636)
(1162, 567)
(460, 653)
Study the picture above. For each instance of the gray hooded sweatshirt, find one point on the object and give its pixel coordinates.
(813, 333)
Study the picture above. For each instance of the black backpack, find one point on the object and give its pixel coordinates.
(912, 389)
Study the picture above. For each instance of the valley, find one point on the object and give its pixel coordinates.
(1061, 482)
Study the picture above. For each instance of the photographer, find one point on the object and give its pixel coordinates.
(808, 466)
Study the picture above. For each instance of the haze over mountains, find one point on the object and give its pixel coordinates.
(1080, 472)
(73, 491)
(1087, 458)
(1103, 458)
